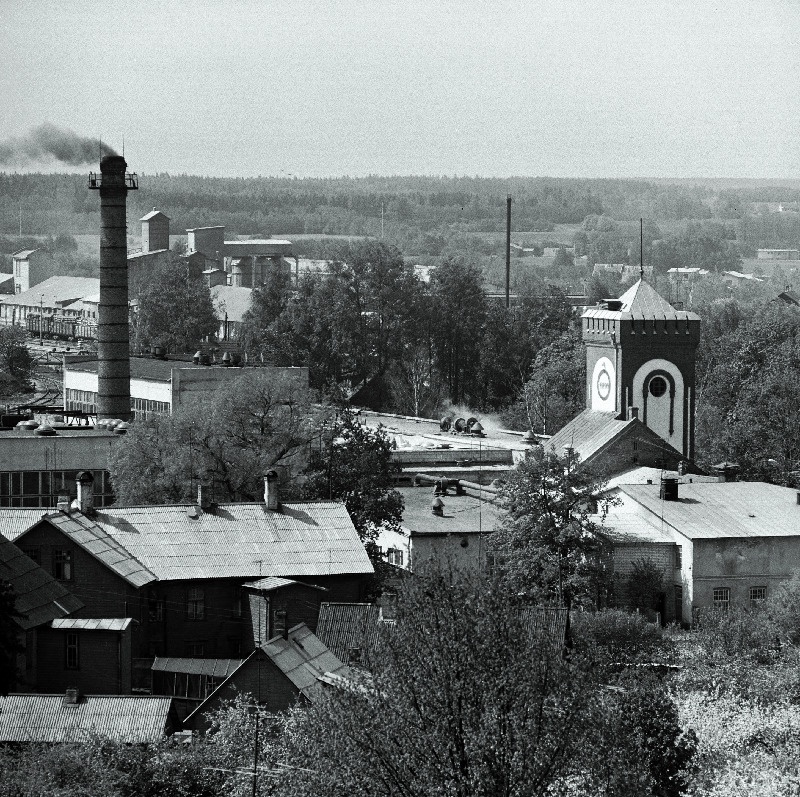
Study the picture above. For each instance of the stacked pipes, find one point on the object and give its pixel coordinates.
(113, 368)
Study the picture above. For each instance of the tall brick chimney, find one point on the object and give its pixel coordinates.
(113, 368)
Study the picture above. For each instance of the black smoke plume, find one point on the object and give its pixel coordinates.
(48, 143)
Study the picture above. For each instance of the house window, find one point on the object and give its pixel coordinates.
(196, 605)
(722, 597)
(757, 594)
(196, 650)
(33, 553)
(678, 557)
(71, 652)
(155, 610)
(394, 556)
(62, 565)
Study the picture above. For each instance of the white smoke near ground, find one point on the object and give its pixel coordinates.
(489, 421)
(47, 143)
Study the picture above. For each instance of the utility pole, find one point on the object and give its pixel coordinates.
(641, 248)
(41, 320)
(20, 218)
(261, 604)
(508, 251)
(381, 220)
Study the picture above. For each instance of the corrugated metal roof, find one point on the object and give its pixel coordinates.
(588, 434)
(723, 510)
(56, 290)
(104, 547)
(348, 626)
(633, 527)
(218, 668)
(23, 254)
(644, 475)
(44, 718)
(14, 521)
(238, 540)
(40, 598)
(303, 659)
(99, 624)
(272, 583)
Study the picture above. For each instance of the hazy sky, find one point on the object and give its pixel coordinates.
(568, 89)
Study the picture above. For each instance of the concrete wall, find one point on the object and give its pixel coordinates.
(81, 451)
(740, 564)
(464, 551)
(155, 233)
(208, 240)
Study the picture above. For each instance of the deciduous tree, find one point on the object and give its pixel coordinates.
(174, 311)
(353, 463)
(228, 443)
(16, 363)
(550, 547)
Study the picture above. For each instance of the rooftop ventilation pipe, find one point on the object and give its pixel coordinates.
(85, 500)
(271, 491)
(437, 507)
(669, 489)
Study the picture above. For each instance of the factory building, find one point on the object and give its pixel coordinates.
(246, 263)
(39, 463)
(31, 266)
(160, 386)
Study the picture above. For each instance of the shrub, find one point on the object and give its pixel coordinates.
(619, 635)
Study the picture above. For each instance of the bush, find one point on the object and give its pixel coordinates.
(619, 635)
(750, 633)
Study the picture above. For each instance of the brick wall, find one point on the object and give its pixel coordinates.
(662, 554)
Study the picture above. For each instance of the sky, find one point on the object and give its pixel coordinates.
(617, 88)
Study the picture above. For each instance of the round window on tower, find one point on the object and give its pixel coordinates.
(657, 386)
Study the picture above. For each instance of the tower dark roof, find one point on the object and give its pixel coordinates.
(640, 301)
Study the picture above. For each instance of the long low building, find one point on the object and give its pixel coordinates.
(35, 469)
(159, 386)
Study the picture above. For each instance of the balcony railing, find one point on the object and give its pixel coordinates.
(131, 181)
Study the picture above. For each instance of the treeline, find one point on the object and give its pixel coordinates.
(413, 213)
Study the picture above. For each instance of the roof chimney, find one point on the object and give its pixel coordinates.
(71, 697)
(669, 489)
(85, 484)
(437, 507)
(62, 504)
(271, 491)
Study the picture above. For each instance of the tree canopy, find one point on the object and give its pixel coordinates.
(16, 363)
(174, 310)
(550, 548)
(252, 424)
(353, 463)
